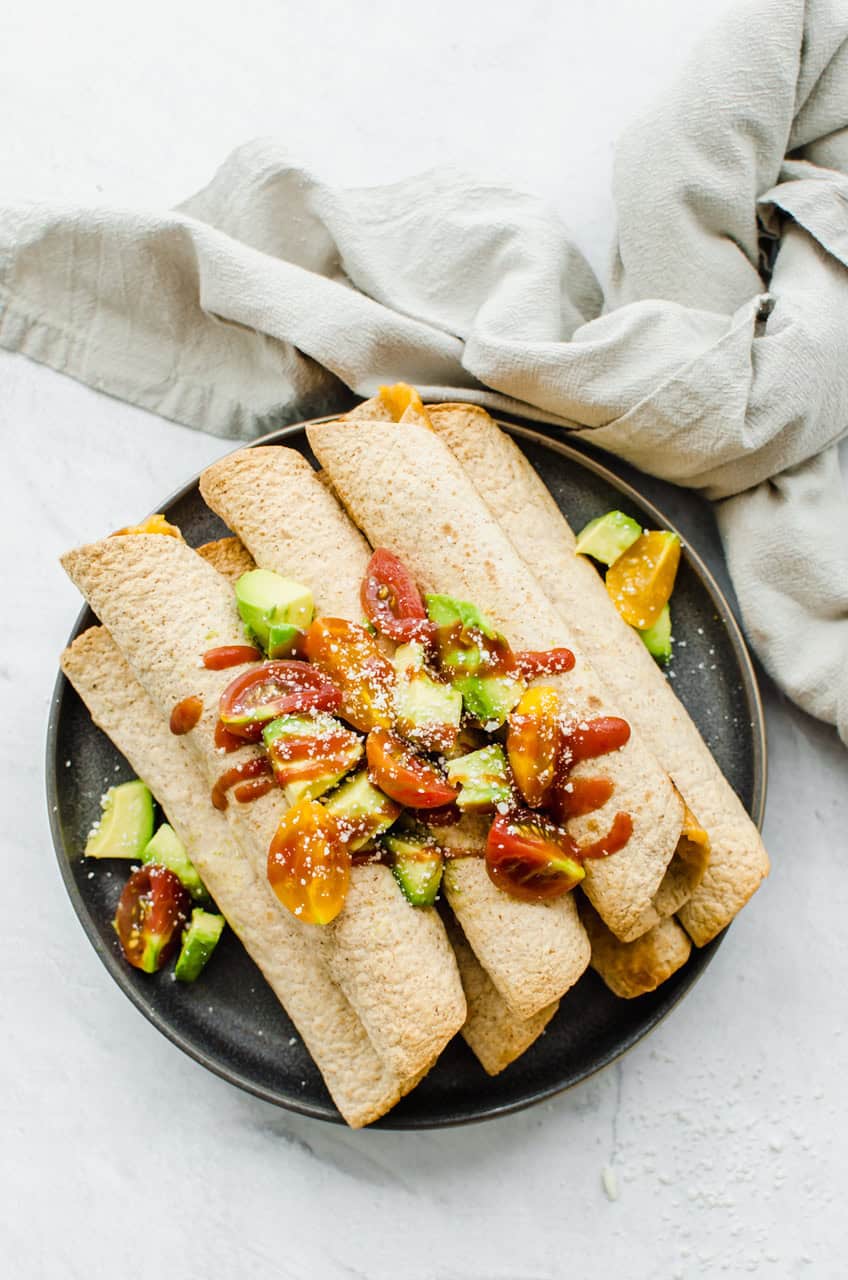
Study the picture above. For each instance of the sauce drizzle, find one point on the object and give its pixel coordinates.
(185, 715)
(230, 655)
(258, 767)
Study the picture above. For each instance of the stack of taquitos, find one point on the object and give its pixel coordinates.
(290, 523)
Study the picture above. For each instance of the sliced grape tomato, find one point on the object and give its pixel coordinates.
(404, 775)
(274, 689)
(530, 858)
(391, 600)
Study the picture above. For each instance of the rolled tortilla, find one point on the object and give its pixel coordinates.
(361, 1085)
(632, 969)
(519, 499)
(406, 491)
(164, 607)
(491, 1030)
(292, 524)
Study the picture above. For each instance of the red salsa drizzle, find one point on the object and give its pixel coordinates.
(244, 792)
(259, 767)
(579, 796)
(230, 655)
(186, 714)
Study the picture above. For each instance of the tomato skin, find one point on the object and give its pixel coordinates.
(152, 910)
(533, 743)
(349, 656)
(531, 859)
(273, 689)
(404, 776)
(308, 865)
(391, 601)
(530, 663)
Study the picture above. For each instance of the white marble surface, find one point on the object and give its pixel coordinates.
(725, 1131)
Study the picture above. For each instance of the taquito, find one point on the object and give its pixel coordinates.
(290, 522)
(164, 607)
(360, 1084)
(493, 1032)
(407, 492)
(634, 968)
(519, 499)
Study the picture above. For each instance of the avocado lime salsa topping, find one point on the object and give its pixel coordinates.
(155, 917)
(380, 732)
(641, 571)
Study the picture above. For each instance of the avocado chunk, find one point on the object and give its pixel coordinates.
(200, 939)
(417, 866)
(126, 824)
(168, 850)
(282, 639)
(266, 599)
(427, 712)
(490, 699)
(310, 753)
(458, 628)
(658, 637)
(361, 810)
(607, 537)
(483, 779)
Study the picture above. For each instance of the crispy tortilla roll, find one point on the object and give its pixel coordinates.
(292, 524)
(406, 491)
(228, 556)
(361, 1085)
(492, 1031)
(519, 499)
(164, 606)
(632, 969)
(528, 949)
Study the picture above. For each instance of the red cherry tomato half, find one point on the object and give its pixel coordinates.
(404, 776)
(273, 689)
(530, 663)
(230, 655)
(529, 858)
(151, 913)
(391, 600)
(350, 656)
(308, 864)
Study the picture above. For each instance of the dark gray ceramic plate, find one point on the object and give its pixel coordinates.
(231, 1023)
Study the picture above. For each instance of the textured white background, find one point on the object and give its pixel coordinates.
(119, 1157)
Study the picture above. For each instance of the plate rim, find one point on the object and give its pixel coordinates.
(328, 1113)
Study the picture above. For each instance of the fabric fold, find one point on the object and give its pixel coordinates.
(717, 356)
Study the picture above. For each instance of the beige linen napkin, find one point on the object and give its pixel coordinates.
(716, 358)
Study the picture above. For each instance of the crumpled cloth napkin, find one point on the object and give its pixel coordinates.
(717, 357)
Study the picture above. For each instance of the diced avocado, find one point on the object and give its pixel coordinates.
(417, 867)
(168, 850)
(483, 779)
(126, 824)
(445, 611)
(607, 537)
(456, 622)
(490, 698)
(427, 712)
(361, 810)
(265, 598)
(200, 939)
(658, 637)
(282, 638)
(298, 765)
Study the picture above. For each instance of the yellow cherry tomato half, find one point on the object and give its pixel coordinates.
(532, 743)
(641, 580)
(308, 864)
